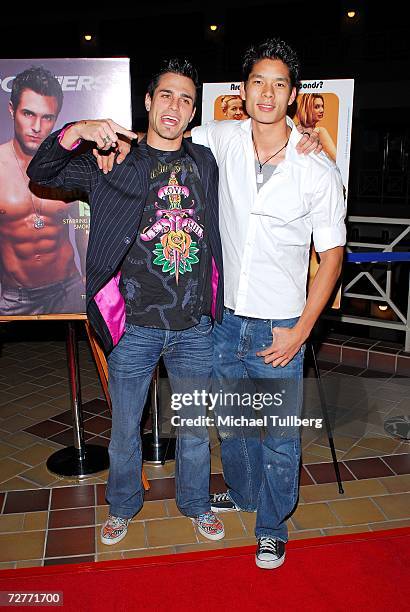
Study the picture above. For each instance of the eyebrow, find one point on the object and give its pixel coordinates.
(183, 95)
(263, 76)
(28, 110)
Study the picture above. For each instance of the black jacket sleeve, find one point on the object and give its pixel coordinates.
(55, 166)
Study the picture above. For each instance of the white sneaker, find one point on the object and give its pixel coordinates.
(209, 525)
(114, 529)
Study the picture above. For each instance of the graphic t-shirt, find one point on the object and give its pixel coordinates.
(160, 276)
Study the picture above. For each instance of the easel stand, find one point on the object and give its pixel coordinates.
(80, 460)
(326, 419)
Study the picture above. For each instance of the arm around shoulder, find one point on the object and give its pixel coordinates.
(326, 141)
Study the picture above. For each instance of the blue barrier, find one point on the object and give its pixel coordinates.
(376, 257)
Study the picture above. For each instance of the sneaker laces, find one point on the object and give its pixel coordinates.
(117, 521)
(269, 545)
(208, 517)
(221, 497)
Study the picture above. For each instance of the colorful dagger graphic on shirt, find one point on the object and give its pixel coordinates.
(176, 252)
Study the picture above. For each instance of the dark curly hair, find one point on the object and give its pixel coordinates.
(39, 80)
(175, 65)
(274, 49)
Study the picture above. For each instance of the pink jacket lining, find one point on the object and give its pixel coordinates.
(60, 138)
(111, 303)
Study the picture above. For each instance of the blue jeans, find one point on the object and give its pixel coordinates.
(261, 467)
(187, 356)
(67, 295)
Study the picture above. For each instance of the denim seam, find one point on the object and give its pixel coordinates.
(248, 468)
(296, 475)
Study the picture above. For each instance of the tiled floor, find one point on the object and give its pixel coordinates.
(365, 353)
(48, 520)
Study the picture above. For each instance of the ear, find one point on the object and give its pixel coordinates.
(193, 115)
(147, 102)
(292, 96)
(242, 91)
(11, 110)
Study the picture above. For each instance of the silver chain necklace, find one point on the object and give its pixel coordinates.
(259, 175)
(38, 222)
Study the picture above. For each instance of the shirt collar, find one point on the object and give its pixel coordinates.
(294, 137)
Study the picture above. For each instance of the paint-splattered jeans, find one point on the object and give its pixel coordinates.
(260, 463)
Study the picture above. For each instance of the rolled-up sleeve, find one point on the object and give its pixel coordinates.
(328, 212)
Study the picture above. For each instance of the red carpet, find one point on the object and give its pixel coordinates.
(339, 573)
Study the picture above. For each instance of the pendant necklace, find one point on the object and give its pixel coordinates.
(259, 175)
(38, 222)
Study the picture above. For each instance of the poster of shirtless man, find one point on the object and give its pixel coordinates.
(38, 271)
(43, 233)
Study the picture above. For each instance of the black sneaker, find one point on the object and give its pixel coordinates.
(221, 502)
(270, 553)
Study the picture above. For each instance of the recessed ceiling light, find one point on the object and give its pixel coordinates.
(351, 14)
(87, 37)
(213, 27)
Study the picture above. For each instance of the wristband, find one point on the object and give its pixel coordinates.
(61, 136)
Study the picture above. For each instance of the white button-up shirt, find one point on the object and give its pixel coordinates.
(266, 234)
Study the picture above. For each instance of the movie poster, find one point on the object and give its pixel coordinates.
(43, 231)
(325, 106)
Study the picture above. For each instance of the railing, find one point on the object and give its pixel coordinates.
(400, 251)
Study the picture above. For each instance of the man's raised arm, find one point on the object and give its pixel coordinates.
(57, 162)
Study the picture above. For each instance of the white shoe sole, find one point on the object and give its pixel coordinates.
(270, 564)
(111, 541)
(209, 536)
(217, 510)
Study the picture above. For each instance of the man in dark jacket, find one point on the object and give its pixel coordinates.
(154, 278)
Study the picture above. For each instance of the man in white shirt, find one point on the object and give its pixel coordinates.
(272, 200)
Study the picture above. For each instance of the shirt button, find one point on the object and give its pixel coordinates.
(127, 240)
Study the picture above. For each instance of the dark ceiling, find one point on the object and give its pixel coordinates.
(375, 43)
(148, 31)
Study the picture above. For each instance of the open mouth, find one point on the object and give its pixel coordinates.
(169, 120)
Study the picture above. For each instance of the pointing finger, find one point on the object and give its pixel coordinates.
(121, 130)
